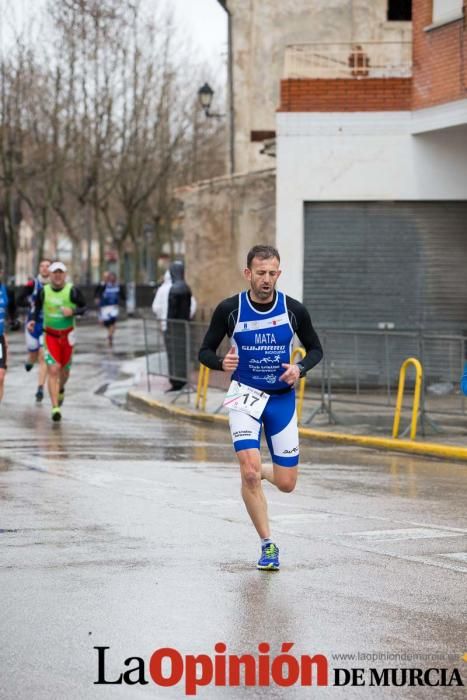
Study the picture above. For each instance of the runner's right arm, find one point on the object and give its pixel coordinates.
(222, 324)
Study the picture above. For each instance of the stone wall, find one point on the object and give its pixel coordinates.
(221, 220)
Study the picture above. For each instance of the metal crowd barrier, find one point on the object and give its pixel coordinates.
(359, 368)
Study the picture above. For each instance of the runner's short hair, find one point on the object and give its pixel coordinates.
(263, 252)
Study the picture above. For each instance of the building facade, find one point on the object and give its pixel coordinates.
(267, 41)
(372, 176)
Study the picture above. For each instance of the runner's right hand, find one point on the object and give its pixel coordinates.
(230, 361)
(30, 326)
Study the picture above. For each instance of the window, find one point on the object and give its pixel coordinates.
(446, 11)
(399, 10)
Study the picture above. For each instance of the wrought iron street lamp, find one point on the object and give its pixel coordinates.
(205, 94)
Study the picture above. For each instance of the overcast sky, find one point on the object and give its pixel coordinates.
(203, 21)
(206, 22)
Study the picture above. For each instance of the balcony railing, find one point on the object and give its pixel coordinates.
(365, 59)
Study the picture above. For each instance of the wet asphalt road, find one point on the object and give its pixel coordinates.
(127, 531)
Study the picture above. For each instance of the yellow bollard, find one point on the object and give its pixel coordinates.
(416, 398)
(202, 388)
(301, 387)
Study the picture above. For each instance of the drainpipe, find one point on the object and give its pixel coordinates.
(223, 4)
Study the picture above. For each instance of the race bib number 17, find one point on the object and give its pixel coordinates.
(244, 398)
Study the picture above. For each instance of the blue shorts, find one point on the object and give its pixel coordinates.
(34, 340)
(279, 421)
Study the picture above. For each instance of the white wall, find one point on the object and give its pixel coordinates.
(357, 157)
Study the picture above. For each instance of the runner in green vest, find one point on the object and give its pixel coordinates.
(60, 302)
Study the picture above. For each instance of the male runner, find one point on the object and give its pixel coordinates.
(60, 303)
(34, 340)
(108, 296)
(261, 324)
(7, 308)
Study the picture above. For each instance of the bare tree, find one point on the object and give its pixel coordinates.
(97, 127)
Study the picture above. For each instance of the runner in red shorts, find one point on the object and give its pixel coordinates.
(60, 303)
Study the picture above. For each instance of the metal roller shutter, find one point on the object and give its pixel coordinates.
(398, 262)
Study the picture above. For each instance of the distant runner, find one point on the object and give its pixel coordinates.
(60, 303)
(34, 340)
(108, 296)
(7, 308)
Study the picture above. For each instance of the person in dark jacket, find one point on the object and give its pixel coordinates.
(7, 310)
(178, 314)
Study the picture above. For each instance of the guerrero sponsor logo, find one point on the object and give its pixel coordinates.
(167, 667)
(266, 348)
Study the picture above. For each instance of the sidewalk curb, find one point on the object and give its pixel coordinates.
(428, 449)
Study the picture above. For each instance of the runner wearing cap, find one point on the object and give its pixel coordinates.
(60, 302)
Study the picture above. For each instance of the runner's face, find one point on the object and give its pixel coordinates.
(44, 268)
(262, 278)
(57, 278)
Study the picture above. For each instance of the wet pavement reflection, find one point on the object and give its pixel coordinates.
(126, 530)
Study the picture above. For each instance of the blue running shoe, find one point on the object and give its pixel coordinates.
(269, 559)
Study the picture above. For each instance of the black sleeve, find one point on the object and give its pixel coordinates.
(25, 292)
(11, 304)
(98, 291)
(301, 323)
(76, 296)
(38, 305)
(220, 326)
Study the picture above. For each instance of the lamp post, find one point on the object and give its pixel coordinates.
(205, 94)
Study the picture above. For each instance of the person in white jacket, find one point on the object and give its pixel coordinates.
(160, 304)
(160, 307)
(161, 300)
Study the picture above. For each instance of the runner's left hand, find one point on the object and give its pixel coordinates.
(291, 374)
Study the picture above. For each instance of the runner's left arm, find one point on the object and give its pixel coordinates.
(77, 298)
(301, 323)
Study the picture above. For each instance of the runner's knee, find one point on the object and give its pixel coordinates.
(285, 480)
(251, 470)
(286, 487)
(251, 478)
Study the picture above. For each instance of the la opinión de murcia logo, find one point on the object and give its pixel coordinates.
(167, 667)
